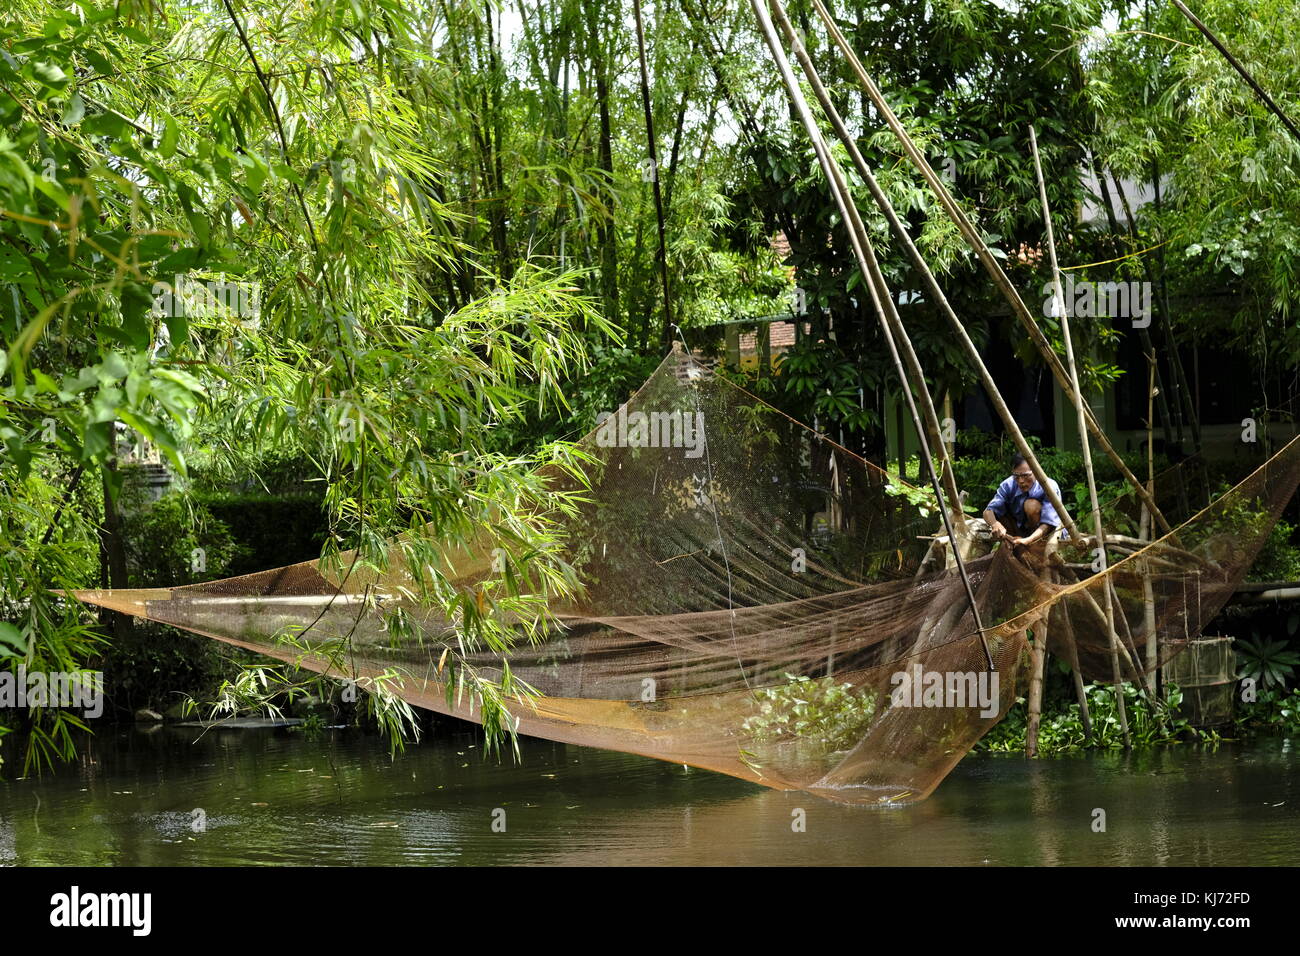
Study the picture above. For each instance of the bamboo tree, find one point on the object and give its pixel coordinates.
(666, 333)
(598, 53)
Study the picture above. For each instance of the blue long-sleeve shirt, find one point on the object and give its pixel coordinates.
(1010, 500)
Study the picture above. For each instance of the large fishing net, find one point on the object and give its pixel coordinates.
(756, 600)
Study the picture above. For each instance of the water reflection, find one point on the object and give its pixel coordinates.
(276, 797)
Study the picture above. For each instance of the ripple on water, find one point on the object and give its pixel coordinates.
(272, 797)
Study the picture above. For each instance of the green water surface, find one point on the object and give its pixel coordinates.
(338, 798)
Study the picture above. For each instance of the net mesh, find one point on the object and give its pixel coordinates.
(754, 601)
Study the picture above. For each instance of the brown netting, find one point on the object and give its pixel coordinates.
(752, 604)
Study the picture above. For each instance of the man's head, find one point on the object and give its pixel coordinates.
(1021, 471)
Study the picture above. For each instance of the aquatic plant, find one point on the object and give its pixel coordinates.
(1265, 661)
(834, 713)
(1272, 711)
(1151, 723)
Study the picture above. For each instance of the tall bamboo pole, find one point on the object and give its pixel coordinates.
(984, 254)
(1236, 65)
(1098, 530)
(1038, 661)
(918, 261)
(887, 300)
(870, 268)
(1072, 649)
(1148, 592)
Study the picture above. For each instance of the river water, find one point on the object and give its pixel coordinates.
(182, 796)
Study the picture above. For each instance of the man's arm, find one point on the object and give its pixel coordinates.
(999, 532)
(1042, 529)
(999, 503)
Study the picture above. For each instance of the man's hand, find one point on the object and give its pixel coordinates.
(999, 530)
(1038, 533)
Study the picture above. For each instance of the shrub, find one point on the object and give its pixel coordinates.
(175, 540)
(1279, 558)
(1061, 731)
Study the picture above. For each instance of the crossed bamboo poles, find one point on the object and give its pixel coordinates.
(924, 419)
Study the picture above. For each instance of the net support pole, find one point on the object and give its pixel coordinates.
(983, 253)
(1058, 306)
(866, 261)
(1076, 674)
(1038, 661)
(1245, 75)
(877, 277)
(923, 268)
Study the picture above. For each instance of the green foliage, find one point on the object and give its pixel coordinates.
(259, 688)
(1171, 106)
(1272, 711)
(1279, 558)
(311, 726)
(39, 629)
(829, 380)
(922, 497)
(615, 373)
(1266, 661)
(174, 541)
(1235, 521)
(831, 714)
(387, 353)
(1061, 731)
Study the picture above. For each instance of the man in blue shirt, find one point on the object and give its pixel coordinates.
(1020, 512)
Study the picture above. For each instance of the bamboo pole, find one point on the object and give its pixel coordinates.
(887, 300)
(984, 254)
(1090, 603)
(1072, 649)
(1129, 645)
(901, 233)
(1148, 592)
(1259, 90)
(1116, 648)
(1098, 530)
(1038, 661)
(870, 268)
